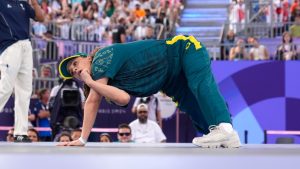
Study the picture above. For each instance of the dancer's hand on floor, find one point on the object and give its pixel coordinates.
(72, 143)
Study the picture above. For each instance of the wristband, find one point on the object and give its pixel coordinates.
(82, 140)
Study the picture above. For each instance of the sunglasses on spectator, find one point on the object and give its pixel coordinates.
(142, 111)
(124, 134)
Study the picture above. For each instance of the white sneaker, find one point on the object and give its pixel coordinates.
(218, 137)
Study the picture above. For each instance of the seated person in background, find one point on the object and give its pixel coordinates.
(144, 130)
(258, 51)
(75, 134)
(287, 50)
(295, 28)
(124, 133)
(33, 135)
(10, 135)
(46, 75)
(238, 52)
(64, 137)
(154, 108)
(42, 114)
(149, 33)
(105, 138)
(228, 44)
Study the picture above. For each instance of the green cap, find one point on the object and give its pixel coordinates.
(63, 65)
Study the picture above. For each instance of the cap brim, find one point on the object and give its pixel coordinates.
(63, 67)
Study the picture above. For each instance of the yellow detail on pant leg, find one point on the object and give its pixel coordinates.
(187, 45)
(192, 39)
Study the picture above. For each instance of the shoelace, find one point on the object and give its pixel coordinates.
(212, 129)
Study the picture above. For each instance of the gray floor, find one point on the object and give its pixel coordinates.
(146, 156)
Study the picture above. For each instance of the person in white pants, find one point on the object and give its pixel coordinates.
(16, 61)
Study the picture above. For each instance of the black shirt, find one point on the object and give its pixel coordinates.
(117, 32)
(14, 21)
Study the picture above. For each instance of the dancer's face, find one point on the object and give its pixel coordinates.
(77, 65)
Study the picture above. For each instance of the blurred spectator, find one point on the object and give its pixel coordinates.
(100, 4)
(282, 10)
(144, 130)
(228, 43)
(64, 137)
(39, 29)
(166, 9)
(33, 135)
(238, 52)
(56, 9)
(75, 134)
(258, 51)
(85, 4)
(42, 114)
(10, 135)
(295, 10)
(287, 50)
(105, 138)
(46, 71)
(149, 33)
(153, 108)
(295, 28)
(92, 13)
(162, 19)
(119, 32)
(145, 4)
(109, 8)
(45, 7)
(123, 9)
(51, 46)
(46, 75)
(124, 133)
(139, 32)
(149, 18)
(237, 16)
(139, 12)
(105, 20)
(286, 11)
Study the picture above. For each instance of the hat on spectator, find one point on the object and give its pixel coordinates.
(63, 66)
(137, 3)
(140, 106)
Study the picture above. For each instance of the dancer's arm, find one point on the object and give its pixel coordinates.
(116, 95)
(91, 107)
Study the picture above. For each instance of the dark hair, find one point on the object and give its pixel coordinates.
(67, 134)
(107, 135)
(287, 33)
(86, 88)
(124, 125)
(42, 92)
(36, 132)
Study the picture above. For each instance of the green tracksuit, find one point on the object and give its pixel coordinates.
(179, 66)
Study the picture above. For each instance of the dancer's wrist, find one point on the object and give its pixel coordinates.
(82, 140)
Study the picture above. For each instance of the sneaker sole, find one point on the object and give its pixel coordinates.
(224, 144)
